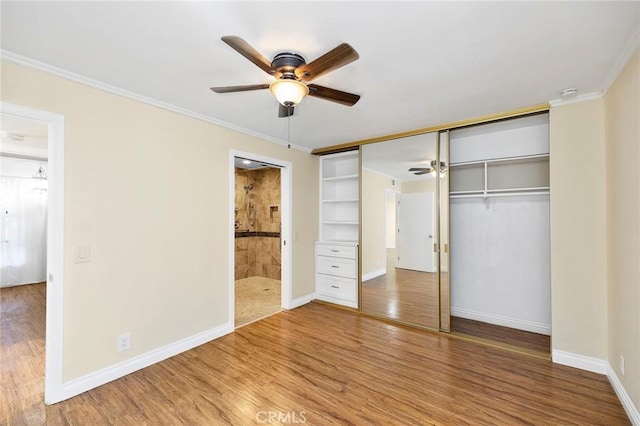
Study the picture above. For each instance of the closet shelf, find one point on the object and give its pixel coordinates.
(349, 200)
(523, 158)
(339, 178)
(499, 193)
(340, 222)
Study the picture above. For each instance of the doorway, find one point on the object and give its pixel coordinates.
(415, 231)
(259, 274)
(33, 266)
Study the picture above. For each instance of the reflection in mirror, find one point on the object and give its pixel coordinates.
(399, 267)
(443, 234)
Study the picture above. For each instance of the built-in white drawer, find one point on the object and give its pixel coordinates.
(336, 250)
(336, 266)
(338, 287)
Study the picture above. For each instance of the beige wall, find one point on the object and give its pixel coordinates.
(374, 253)
(147, 189)
(577, 216)
(622, 115)
(418, 186)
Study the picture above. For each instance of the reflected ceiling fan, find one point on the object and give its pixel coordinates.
(430, 169)
(292, 73)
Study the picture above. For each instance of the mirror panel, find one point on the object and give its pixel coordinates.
(399, 268)
(443, 231)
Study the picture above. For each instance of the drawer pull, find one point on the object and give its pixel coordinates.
(335, 286)
(335, 266)
(335, 251)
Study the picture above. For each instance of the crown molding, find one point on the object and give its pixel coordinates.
(580, 98)
(8, 56)
(625, 55)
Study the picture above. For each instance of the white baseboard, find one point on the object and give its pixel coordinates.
(623, 396)
(532, 326)
(600, 366)
(373, 274)
(595, 365)
(296, 303)
(108, 374)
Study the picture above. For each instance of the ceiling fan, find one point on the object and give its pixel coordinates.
(429, 169)
(292, 73)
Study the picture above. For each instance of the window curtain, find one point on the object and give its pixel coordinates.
(23, 231)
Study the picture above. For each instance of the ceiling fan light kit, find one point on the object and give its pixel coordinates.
(292, 73)
(289, 92)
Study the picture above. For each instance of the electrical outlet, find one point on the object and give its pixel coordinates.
(622, 364)
(124, 342)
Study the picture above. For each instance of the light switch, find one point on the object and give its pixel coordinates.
(83, 254)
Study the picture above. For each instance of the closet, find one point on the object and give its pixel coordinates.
(445, 229)
(499, 231)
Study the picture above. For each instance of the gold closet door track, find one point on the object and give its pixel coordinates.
(348, 146)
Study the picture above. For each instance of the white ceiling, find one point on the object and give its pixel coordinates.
(421, 63)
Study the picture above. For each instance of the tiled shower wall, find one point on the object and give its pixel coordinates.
(257, 242)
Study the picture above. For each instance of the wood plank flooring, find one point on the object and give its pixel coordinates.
(321, 365)
(403, 294)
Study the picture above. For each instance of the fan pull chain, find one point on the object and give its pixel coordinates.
(289, 128)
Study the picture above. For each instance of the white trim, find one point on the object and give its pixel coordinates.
(286, 215)
(532, 326)
(625, 55)
(373, 274)
(55, 246)
(595, 365)
(108, 374)
(296, 303)
(60, 72)
(580, 98)
(337, 301)
(623, 396)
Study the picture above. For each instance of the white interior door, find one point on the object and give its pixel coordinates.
(414, 240)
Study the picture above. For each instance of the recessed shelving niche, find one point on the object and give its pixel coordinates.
(339, 203)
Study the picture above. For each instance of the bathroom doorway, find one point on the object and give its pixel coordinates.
(258, 242)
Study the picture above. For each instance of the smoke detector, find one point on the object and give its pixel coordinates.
(571, 91)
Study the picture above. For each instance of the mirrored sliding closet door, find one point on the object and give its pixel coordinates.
(400, 230)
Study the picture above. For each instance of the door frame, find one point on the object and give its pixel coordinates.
(387, 193)
(55, 245)
(286, 174)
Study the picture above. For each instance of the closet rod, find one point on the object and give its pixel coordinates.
(501, 194)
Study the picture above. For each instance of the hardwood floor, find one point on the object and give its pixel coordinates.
(22, 325)
(402, 294)
(322, 366)
(510, 336)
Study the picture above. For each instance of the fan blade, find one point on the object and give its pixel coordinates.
(332, 60)
(284, 111)
(245, 49)
(333, 95)
(227, 89)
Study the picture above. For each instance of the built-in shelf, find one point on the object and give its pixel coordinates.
(337, 250)
(339, 197)
(352, 200)
(340, 222)
(338, 178)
